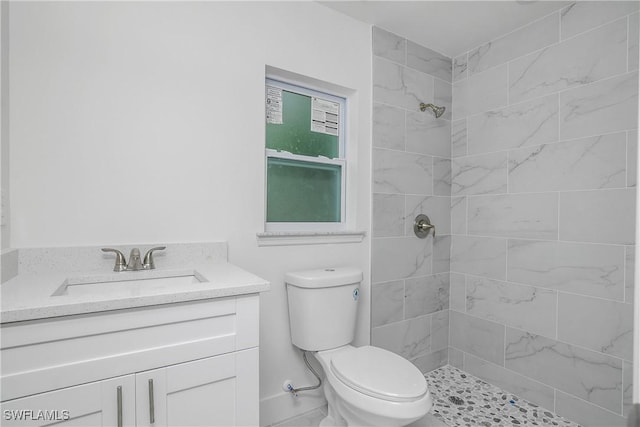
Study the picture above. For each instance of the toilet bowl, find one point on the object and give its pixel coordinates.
(369, 386)
(364, 386)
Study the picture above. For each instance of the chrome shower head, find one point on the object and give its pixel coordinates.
(437, 111)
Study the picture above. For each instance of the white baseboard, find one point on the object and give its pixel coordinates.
(282, 406)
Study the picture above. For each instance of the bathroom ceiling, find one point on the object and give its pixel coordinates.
(449, 27)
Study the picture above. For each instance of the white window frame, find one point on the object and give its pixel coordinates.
(341, 160)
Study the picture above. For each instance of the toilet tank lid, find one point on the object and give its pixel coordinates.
(324, 277)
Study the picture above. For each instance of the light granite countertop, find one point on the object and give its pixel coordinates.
(30, 296)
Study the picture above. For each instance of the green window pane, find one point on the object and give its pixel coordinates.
(302, 191)
(294, 133)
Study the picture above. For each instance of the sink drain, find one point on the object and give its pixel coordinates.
(456, 400)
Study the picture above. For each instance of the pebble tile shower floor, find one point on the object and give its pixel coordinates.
(460, 399)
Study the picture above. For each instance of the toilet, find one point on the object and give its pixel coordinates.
(364, 386)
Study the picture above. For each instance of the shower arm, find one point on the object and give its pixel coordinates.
(437, 111)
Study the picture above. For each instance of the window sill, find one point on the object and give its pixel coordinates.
(309, 238)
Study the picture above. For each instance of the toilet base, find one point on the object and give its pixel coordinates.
(342, 414)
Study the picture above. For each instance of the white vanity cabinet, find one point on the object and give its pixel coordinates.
(207, 392)
(185, 364)
(93, 404)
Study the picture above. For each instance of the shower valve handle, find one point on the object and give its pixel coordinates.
(422, 226)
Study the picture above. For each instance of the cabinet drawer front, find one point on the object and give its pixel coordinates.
(82, 349)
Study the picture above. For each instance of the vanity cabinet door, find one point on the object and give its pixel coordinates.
(216, 391)
(97, 404)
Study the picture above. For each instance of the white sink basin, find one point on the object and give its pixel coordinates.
(129, 283)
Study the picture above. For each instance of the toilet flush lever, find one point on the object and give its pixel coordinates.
(422, 226)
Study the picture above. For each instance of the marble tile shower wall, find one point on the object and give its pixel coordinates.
(411, 175)
(544, 141)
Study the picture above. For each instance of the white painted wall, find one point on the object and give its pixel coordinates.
(4, 123)
(144, 122)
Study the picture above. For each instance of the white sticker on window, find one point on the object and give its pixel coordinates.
(324, 116)
(274, 105)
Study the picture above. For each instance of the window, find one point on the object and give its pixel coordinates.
(305, 159)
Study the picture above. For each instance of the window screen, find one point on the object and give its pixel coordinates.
(305, 168)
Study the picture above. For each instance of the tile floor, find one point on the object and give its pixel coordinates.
(460, 399)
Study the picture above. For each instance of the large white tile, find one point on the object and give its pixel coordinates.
(388, 215)
(605, 106)
(517, 384)
(428, 61)
(428, 135)
(524, 307)
(581, 16)
(441, 254)
(533, 215)
(459, 138)
(586, 414)
(479, 174)
(388, 127)
(460, 67)
(479, 337)
(387, 302)
(398, 258)
(418, 86)
(409, 338)
(400, 172)
(627, 387)
(529, 38)
(634, 40)
(629, 273)
(441, 177)
(599, 216)
(440, 331)
(400, 86)
(481, 256)
(481, 92)
(459, 215)
(437, 208)
(529, 123)
(456, 358)
(587, 374)
(585, 164)
(426, 295)
(387, 82)
(632, 158)
(587, 269)
(597, 324)
(389, 45)
(584, 59)
(457, 292)
(430, 361)
(442, 97)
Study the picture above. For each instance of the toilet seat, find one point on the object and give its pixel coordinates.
(380, 374)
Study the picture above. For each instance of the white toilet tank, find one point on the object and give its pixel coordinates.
(323, 305)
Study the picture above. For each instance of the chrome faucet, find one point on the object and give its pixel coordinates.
(134, 259)
(135, 263)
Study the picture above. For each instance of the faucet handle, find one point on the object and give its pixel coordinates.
(121, 264)
(148, 257)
